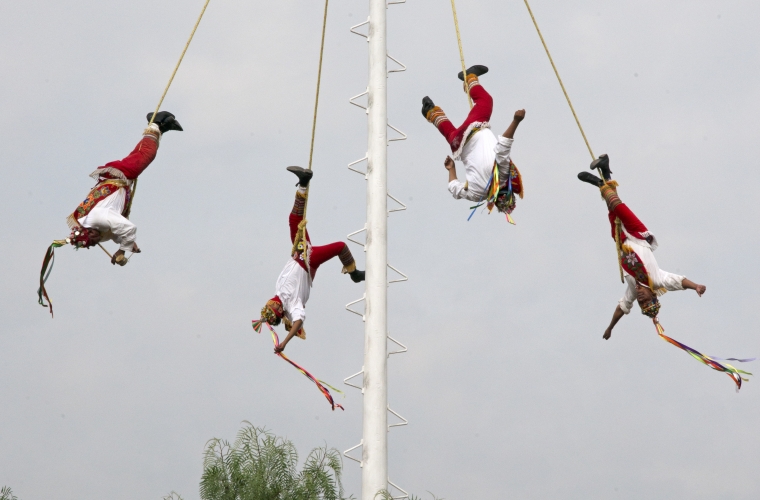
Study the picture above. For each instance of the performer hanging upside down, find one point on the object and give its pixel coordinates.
(484, 155)
(645, 280)
(102, 216)
(294, 283)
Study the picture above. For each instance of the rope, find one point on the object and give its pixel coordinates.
(461, 52)
(302, 225)
(560, 83)
(161, 101)
(577, 121)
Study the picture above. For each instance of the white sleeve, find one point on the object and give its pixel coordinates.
(503, 150)
(671, 282)
(456, 188)
(630, 295)
(122, 230)
(297, 311)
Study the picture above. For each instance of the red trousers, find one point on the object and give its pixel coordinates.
(631, 223)
(319, 254)
(138, 160)
(480, 112)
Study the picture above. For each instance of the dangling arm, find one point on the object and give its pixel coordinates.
(456, 187)
(293, 330)
(616, 316)
(623, 307)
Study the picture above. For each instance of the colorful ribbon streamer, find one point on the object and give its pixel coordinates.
(492, 192)
(319, 383)
(711, 361)
(47, 268)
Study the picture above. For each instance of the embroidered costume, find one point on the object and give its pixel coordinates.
(294, 283)
(105, 207)
(293, 286)
(103, 215)
(636, 245)
(485, 155)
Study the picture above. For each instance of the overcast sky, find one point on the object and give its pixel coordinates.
(508, 386)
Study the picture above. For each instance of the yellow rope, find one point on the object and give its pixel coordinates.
(580, 127)
(461, 52)
(302, 225)
(560, 82)
(192, 34)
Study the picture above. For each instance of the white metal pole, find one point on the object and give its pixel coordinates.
(375, 426)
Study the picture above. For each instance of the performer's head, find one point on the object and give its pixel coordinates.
(84, 237)
(647, 300)
(272, 312)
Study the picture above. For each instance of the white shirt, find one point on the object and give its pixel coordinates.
(662, 281)
(478, 156)
(293, 287)
(106, 217)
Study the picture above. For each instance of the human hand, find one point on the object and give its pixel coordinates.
(118, 256)
(700, 289)
(519, 115)
(607, 334)
(449, 163)
(279, 348)
(135, 248)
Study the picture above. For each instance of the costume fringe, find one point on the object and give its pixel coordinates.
(712, 362)
(481, 125)
(113, 172)
(319, 383)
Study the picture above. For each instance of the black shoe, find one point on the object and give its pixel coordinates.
(356, 276)
(591, 179)
(165, 121)
(304, 175)
(603, 164)
(476, 70)
(427, 105)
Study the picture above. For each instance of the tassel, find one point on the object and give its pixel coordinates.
(319, 383)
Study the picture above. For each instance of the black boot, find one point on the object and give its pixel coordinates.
(591, 179)
(356, 276)
(476, 70)
(165, 121)
(304, 175)
(603, 164)
(427, 105)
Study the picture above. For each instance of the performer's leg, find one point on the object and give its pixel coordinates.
(480, 112)
(296, 214)
(143, 154)
(619, 210)
(323, 253)
(437, 117)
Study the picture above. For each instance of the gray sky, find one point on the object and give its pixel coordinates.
(509, 388)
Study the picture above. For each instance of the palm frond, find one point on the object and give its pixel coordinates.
(7, 494)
